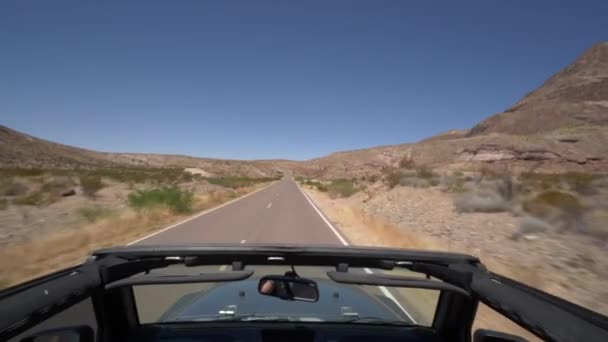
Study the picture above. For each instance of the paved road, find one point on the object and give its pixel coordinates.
(279, 213)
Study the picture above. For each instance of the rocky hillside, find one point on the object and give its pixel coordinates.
(575, 96)
(21, 150)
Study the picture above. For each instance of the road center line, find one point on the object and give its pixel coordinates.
(383, 289)
(269, 205)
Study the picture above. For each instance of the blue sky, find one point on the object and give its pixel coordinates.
(275, 79)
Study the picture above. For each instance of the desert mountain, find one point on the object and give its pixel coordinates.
(575, 96)
(561, 126)
(22, 150)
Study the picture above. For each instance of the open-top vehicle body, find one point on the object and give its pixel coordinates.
(281, 293)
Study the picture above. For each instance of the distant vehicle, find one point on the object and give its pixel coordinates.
(281, 293)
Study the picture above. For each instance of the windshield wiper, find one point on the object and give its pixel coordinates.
(376, 320)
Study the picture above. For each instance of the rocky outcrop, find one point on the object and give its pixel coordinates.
(496, 153)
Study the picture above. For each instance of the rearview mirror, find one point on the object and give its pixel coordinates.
(81, 333)
(289, 288)
(483, 335)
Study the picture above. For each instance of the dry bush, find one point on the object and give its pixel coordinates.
(392, 177)
(3, 203)
(38, 199)
(90, 184)
(94, 213)
(453, 183)
(58, 184)
(426, 173)
(178, 200)
(415, 182)
(407, 163)
(581, 183)
(14, 188)
(558, 207)
(342, 188)
(488, 195)
(472, 202)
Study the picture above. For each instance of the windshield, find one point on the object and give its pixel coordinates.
(241, 301)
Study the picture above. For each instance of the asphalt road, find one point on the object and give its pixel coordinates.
(279, 213)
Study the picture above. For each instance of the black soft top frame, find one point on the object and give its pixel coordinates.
(546, 316)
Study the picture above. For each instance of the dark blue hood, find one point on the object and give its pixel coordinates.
(336, 303)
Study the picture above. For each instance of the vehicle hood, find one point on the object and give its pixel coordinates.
(336, 303)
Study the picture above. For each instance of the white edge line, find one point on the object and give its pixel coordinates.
(383, 289)
(334, 230)
(198, 215)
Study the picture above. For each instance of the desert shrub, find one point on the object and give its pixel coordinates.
(554, 199)
(38, 198)
(58, 184)
(452, 183)
(299, 179)
(506, 188)
(90, 184)
(342, 188)
(414, 181)
(407, 163)
(373, 178)
(425, 173)
(541, 181)
(558, 207)
(3, 203)
(93, 213)
(480, 202)
(392, 178)
(321, 187)
(582, 183)
(178, 200)
(14, 188)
